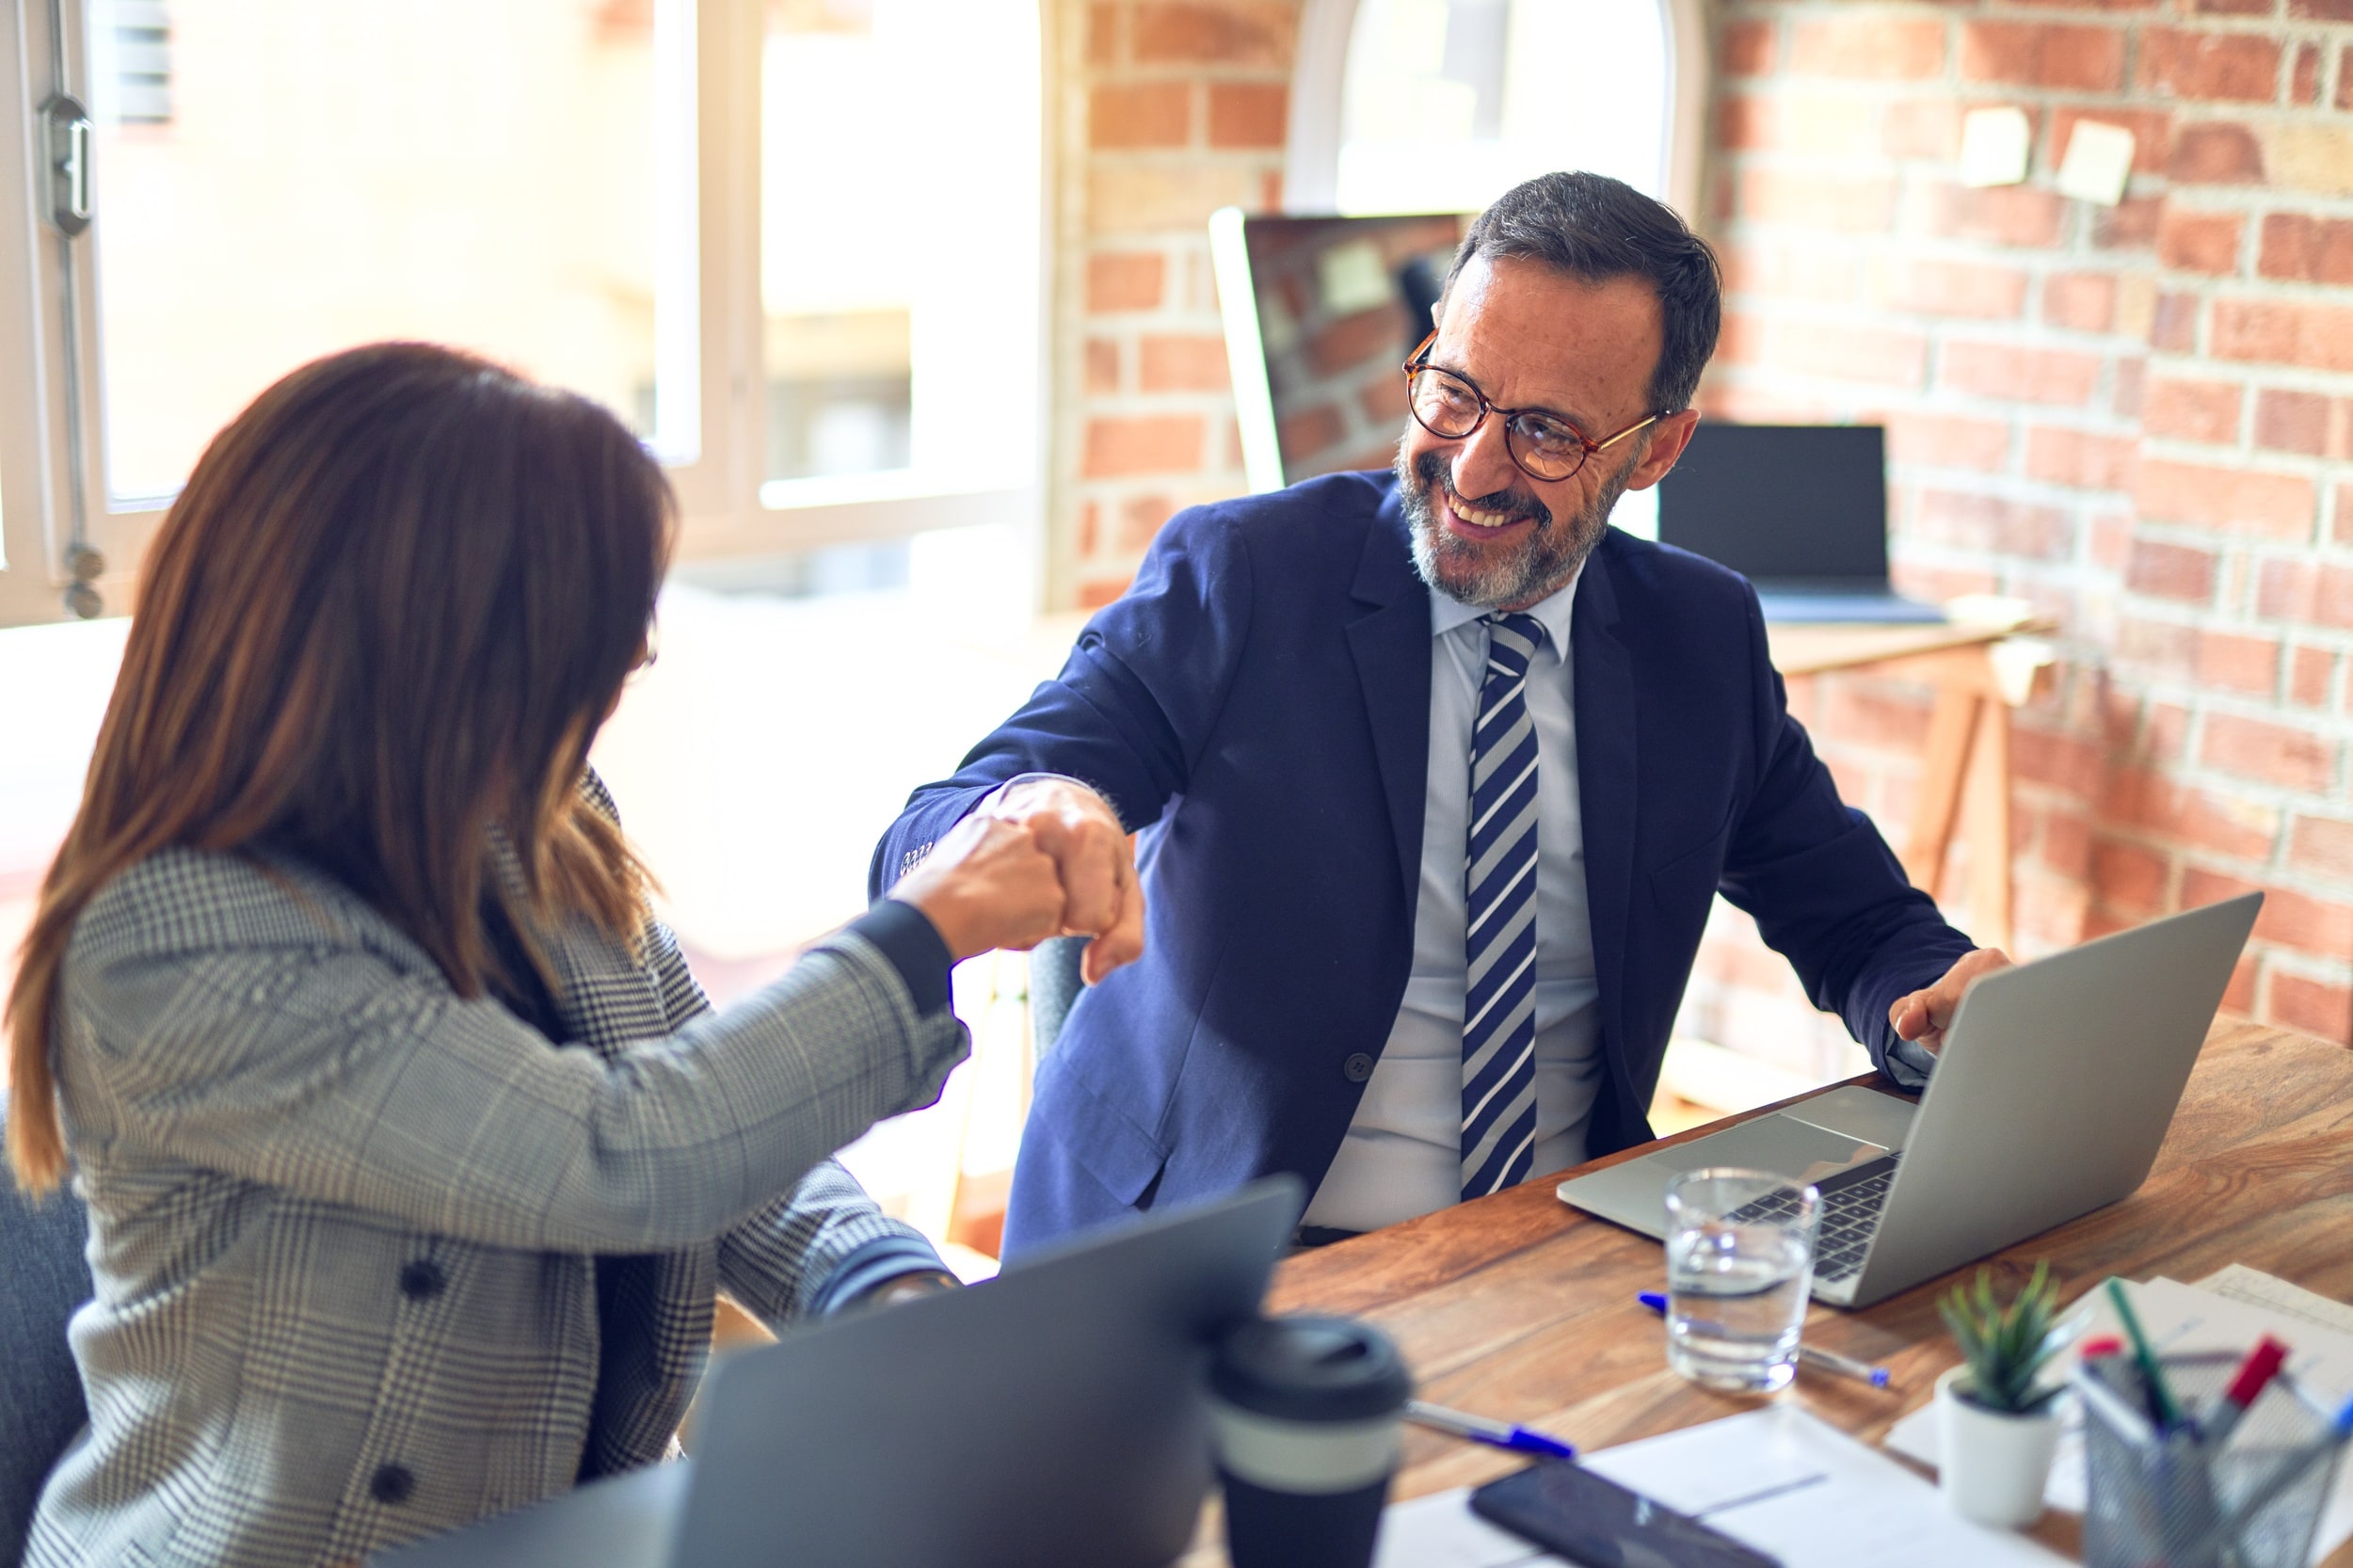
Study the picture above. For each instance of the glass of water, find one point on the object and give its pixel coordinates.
(1739, 1265)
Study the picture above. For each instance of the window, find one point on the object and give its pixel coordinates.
(691, 210)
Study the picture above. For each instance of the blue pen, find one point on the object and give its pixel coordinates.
(1828, 1361)
(1500, 1434)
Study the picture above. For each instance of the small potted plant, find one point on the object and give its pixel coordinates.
(1998, 1423)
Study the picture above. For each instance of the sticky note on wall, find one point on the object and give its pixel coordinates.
(2099, 161)
(1994, 145)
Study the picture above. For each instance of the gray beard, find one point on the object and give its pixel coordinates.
(1555, 548)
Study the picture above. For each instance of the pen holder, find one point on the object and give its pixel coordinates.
(2173, 1500)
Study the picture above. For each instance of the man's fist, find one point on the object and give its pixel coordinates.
(1080, 831)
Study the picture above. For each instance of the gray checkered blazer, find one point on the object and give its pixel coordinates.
(372, 1260)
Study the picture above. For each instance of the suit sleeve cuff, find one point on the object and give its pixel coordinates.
(906, 937)
(876, 1263)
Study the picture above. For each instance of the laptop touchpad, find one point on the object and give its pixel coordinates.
(1780, 1144)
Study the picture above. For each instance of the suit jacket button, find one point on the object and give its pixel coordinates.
(421, 1280)
(391, 1485)
(1356, 1068)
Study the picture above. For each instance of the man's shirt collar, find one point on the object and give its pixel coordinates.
(1551, 612)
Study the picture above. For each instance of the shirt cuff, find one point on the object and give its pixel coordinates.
(876, 1263)
(1910, 1062)
(909, 939)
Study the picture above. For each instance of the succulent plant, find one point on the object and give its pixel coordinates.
(2005, 1345)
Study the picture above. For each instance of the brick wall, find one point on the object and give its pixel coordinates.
(1169, 111)
(2137, 417)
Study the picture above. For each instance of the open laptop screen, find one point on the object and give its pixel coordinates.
(1795, 504)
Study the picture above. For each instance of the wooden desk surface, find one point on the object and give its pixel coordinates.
(1807, 648)
(1520, 1308)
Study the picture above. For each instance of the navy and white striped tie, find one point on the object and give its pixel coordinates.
(1500, 998)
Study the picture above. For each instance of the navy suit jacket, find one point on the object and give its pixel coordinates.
(1257, 705)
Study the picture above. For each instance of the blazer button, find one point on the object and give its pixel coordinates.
(1356, 1068)
(391, 1485)
(421, 1280)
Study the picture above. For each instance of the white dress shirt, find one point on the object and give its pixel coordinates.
(1402, 1156)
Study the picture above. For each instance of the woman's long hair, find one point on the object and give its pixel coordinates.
(377, 632)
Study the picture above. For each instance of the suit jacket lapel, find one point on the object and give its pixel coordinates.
(1606, 740)
(1391, 646)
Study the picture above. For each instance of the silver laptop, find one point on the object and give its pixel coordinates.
(1052, 1417)
(2054, 1090)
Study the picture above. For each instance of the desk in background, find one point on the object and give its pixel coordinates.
(1520, 1308)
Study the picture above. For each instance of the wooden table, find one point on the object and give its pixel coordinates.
(1980, 672)
(1520, 1308)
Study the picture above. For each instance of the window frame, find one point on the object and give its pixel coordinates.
(723, 513)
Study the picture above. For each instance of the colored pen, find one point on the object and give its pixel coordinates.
(1828, 1361)
(2262, 1365)
(1478, 1428)
(2161, 1410)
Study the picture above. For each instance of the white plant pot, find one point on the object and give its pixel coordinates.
(1992, 1467)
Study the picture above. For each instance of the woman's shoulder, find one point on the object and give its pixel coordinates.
(179, 899)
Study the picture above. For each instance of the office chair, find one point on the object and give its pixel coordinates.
(1054, 987)
(40, 1388)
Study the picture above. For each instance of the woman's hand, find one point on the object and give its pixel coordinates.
(987, 884)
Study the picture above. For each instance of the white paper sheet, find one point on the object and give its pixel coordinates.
(1778, 1478)
(2229, 1312)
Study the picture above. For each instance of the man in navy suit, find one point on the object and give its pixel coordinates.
(1435, 776)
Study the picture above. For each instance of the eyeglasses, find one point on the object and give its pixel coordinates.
(1450, 407)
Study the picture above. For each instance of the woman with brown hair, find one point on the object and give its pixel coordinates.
(413, 1155)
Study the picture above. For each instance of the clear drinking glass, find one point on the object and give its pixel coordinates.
(1739, 1265)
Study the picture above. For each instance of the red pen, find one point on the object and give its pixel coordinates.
(2261, 1366)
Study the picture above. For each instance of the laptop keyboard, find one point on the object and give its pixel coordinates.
(1851, 1201)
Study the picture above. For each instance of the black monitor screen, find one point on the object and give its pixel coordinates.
(1783, 502)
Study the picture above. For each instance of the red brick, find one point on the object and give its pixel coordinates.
(2217, 152)
(2342, 530)
(1777, 196)
(1097, 592)
(2192, 410)
(1996, 214)
(2238, 664)
(1147, 114)
(2167, 735)
(2317, 335)
(2199, 242)
(1313, 429)
(2232, 499)
(2289, 919)
(1880, 48)
(2292, 421)
(1868, 714)
(1748, 49)
(1231, 32)
(1103, 32)
(1248, 114)
(2152, 129)
(2132, 371)
(2076, 458)
(2285, 755)
(2314, 1006)
(1384, 399)
(2312, 671)
(2128, 877)
(1189, 364)
(1989, 523)
(1874, 354)
(2219, 825)
(1140, 519)
(2080, 59)
(2130, 225)
(1152, 444)
(1939, 440)
(2307, 249)
(2025, 375)
(2305, 591)
(2083, 301)
(2170, 571)
(2235, 7)
(1089, 528)
(2322, 846)
(2304, 82)
(1125, 281)
(1349, 342)
(1955, 288)
(1921, 128)
(2237, 66)
(2322, 10)
(2344, 78)
(2065, 763)
(2239, 995)
(1102, 366)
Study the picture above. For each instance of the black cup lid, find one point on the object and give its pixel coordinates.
(1306, 1368)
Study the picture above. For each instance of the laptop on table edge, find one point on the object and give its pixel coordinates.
(2050, 1099)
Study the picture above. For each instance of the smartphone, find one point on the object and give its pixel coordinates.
(1564, 1508)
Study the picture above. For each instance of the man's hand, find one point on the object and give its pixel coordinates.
(1102, 895)
(1923, 1014)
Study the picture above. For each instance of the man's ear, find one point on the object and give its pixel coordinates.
(1668, 439)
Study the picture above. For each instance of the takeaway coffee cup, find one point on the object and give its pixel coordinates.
(1305, 1412)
